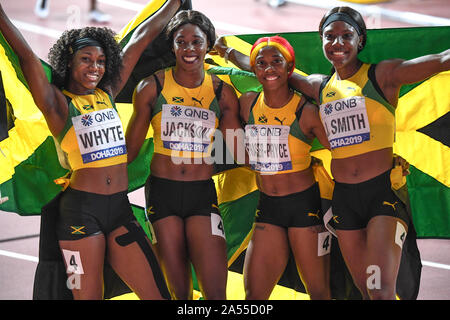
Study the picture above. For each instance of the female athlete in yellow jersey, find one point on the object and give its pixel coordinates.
(95, 220)
(185, 106)
(357, 108)
(280, 128)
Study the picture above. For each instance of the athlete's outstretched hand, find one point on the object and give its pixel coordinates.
(399, 161)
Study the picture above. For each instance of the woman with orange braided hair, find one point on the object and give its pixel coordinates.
(280, 127)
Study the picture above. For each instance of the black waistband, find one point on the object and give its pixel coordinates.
(385, 176)
(179, 182)
(95, 195)
(288, 196)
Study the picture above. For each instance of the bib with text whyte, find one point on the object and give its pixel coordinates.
(99, 135)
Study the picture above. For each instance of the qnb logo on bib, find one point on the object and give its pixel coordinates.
(185, 128)
(100, 135)
(86, 120)
(268, 147)
(345, 121)
(175, 111)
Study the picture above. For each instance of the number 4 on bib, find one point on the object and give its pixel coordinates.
(323, 243)
(217, 227)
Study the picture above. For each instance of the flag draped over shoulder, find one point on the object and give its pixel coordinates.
(29, 162)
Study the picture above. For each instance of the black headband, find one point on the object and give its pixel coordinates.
(84, 42)
(342, 16)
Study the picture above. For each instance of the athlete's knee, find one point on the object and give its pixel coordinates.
(384, 293)
(213, 285)
(219, 295)
(180, 291)
(381, 290)
(361, 285)
(215, 292)
(255, 294)
(87, 295)
(319, 292)
(251, 295)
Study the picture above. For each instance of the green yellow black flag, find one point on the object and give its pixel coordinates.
(29, 162)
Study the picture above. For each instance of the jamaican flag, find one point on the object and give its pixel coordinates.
(29, 162)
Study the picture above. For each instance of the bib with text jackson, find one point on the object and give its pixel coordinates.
(186, 128)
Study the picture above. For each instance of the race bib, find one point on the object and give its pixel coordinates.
(217, 227)
(268, 147)
(345, 121)
(185, 128)
(100, 135)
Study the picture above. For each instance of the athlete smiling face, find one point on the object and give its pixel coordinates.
(270, 67)
(87, 69)
(191, 35)
(190, 45)
(340, 43)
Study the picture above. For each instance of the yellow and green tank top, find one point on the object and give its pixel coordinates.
(184, 119)
(93, 136)
(273, 138)
(355, 115)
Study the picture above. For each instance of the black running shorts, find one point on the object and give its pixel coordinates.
(83, 213)
(179, 198)
(354, 205)
(301, 209)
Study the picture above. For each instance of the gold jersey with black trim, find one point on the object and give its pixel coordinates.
(355, 114)
(184, 120)
(93, 136)
(274, 140)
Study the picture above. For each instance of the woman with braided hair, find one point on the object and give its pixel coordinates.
(95, 220)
